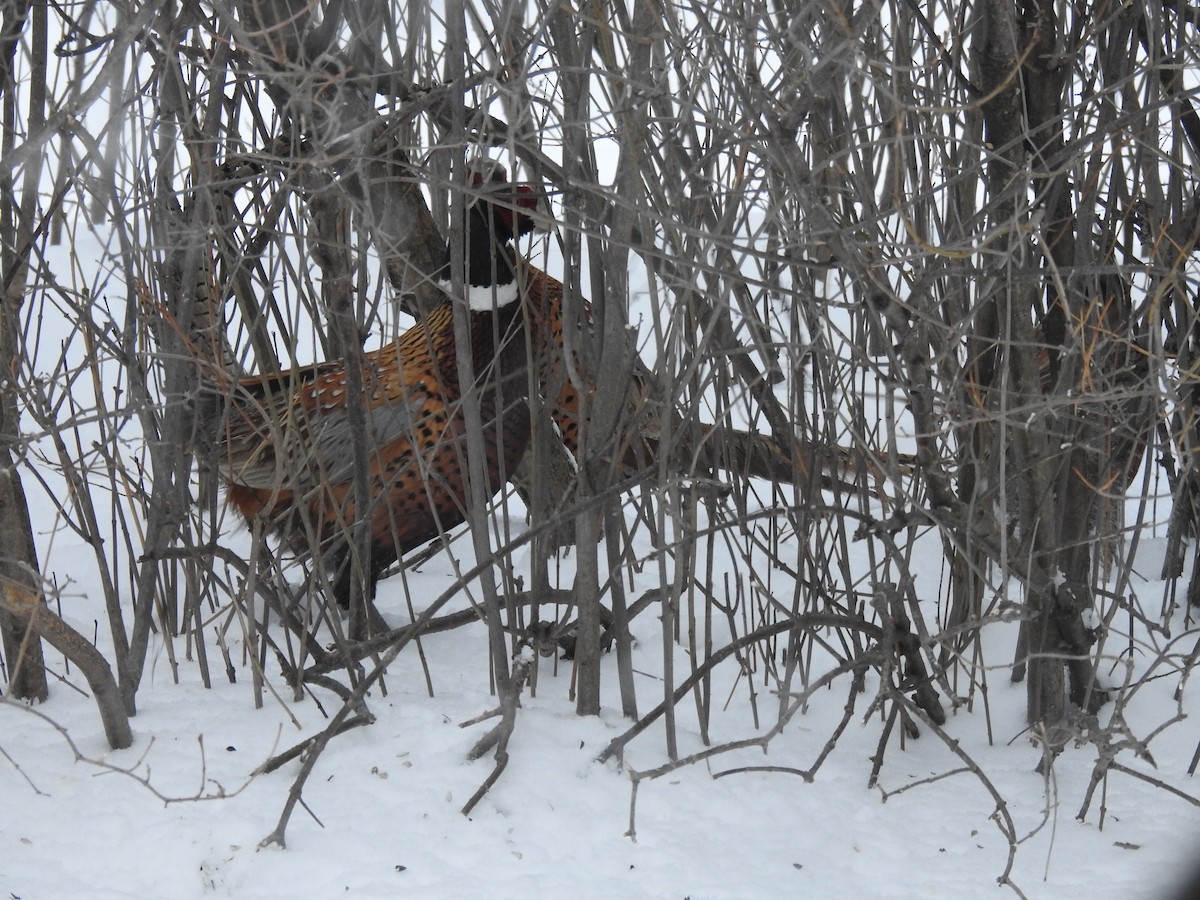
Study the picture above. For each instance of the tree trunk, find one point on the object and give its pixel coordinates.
(18, 557)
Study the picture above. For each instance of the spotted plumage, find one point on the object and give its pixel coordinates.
(286, 452)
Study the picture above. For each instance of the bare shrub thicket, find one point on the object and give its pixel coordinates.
(939, 258)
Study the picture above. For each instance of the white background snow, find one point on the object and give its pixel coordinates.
(382, 815)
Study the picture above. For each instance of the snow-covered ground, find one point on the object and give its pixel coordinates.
(382, 809)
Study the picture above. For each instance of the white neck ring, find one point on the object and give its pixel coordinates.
(487, 297)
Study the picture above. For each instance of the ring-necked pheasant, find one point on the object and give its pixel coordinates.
(286, 450)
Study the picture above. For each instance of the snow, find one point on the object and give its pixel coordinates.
(181, 813)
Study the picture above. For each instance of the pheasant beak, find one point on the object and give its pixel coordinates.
(532, 213)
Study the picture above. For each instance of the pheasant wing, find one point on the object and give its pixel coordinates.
(292, 430)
